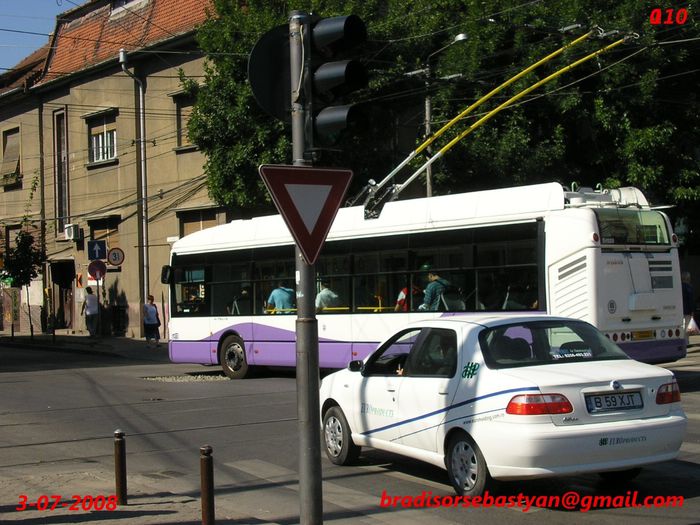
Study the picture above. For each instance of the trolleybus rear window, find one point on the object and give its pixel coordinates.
(628, 226)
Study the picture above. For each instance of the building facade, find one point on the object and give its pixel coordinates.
(96, 158)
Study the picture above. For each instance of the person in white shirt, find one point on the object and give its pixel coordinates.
(326, 298)
(91, 309)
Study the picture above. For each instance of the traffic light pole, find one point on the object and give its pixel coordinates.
(308, 410)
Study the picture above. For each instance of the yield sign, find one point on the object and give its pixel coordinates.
(308, 199)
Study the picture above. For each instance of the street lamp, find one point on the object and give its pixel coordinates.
(461, 37)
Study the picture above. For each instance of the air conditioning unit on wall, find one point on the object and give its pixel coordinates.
(72, 232)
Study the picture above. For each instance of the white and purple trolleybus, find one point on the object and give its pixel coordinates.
(602, 256)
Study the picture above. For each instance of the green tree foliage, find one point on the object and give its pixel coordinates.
(629, 117)
(226, 123)
(23, 261)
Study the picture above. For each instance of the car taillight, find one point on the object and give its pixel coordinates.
(533, 404)
(668, 393)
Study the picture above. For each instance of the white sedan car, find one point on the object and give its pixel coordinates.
(504, 397)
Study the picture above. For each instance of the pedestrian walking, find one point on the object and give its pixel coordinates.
(151, 323)
(91, 309)
(689, 323)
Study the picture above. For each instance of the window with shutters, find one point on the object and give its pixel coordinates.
(10, 171)
(194, 220)
(183, 111)
(102, 136)
(105, 230)
(60, 140)
(11, 232)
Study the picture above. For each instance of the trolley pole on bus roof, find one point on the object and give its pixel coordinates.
(310, 490)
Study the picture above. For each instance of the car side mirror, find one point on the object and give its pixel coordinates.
(356, 366)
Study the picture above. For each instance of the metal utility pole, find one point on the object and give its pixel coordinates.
(314, 118)
(310, 490)
(143, 178)
(428, 132)
(429, 109)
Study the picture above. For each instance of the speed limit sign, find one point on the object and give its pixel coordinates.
(115, 256)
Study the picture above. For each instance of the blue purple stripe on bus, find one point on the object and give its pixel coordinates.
(273, 347)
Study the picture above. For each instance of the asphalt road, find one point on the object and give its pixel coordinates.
(58, 412)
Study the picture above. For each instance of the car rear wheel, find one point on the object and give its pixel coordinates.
(620, 476)
(466, 466)
(232, 357)
(340, 448)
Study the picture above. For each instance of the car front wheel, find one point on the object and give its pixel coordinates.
(466, 466)
(340, 448)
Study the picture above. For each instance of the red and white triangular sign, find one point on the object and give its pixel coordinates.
(308, 200)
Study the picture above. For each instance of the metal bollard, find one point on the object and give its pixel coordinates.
(206, 468)
(120, 466)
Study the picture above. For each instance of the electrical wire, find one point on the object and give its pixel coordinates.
(371, 203)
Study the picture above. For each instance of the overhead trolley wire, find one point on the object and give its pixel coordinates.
(373, 189)
(371, 203)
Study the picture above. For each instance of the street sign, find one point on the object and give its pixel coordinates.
(97, 269)
(115, 256)
(96, 250)
(308, 200)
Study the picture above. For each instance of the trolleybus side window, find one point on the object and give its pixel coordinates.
(191, 290)
(489, 268)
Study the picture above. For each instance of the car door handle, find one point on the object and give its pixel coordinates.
(391, 390)
(443, 393)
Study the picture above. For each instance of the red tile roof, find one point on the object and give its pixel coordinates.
(93, 33)
(25, 71)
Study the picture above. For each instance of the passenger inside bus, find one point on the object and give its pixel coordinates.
(326, 300)
(193, 303)
(281, 300)
(241, 304)
(404, 300)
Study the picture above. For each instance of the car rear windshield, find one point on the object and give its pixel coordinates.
(545, 342)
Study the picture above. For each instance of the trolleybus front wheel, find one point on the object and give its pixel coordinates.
(232, 357)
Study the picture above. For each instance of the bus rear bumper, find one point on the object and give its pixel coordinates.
(658, 351)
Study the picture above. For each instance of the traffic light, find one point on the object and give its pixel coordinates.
(331, 78)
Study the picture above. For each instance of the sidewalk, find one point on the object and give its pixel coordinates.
(126, 347)
(694, 344)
